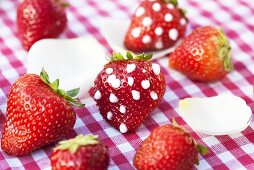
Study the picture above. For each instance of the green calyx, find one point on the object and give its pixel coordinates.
(200, 148)
(225, 52)
(70, 95)
(75, 143)
(129, 56)
(62, 3)
(174, 2)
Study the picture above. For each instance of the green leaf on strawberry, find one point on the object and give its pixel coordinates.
(81, 152)
(69, 95)
(38, 114)
(168, 147)
(205, 55)
(128, 89)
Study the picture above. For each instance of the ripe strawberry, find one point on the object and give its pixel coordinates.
(205, 55)
(168, 147)
(155, 25)
(38, 19)
(82, 152)
(38, 113)
(127, 90)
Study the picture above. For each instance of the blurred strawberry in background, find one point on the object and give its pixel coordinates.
(156, 25)
(38, 19)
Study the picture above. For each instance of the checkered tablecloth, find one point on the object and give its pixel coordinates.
(236, 17)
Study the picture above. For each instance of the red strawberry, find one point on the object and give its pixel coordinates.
(38, 19)
(82, 152)
(205, 55)
(127, 90)
(168, 148)
(155, 25)
(38, 113)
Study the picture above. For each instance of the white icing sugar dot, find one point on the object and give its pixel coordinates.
(156, 68)
(109, 115)
(173, 34)
(130, 68)
(153, 95)
(146, 39)
(136, 32)
(111, 78)
(140, 11)
(130, 81)
(183, 21)
(97, 95)
(113, 81)
(123, 128)
(116, 83)
(147, 21)
(159, 45)
(156, 7)
(109, 70)
(143, 70)
(135, 94)
(122, 109)
(170, 6)
(113, 98)
(168, 17)
(158, 31)
(145, 84)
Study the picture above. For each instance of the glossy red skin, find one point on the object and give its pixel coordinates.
(167, 148)
(38, 19)
(136, 110)
(90, 157)
(136, 44)
(198, 55)
(36, 116)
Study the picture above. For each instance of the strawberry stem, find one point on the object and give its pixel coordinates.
(129, 56)
(75, 143)
(70, 95)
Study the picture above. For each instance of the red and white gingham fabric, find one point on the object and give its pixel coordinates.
(236, 17)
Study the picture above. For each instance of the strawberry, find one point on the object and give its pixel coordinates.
(38, 113)
(82, 152)
(205, 55)
(127, 90)
(168, 147)
(38, 19)
(155, 25)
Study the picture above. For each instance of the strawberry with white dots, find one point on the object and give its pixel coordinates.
(155, 25)
(140, 87)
